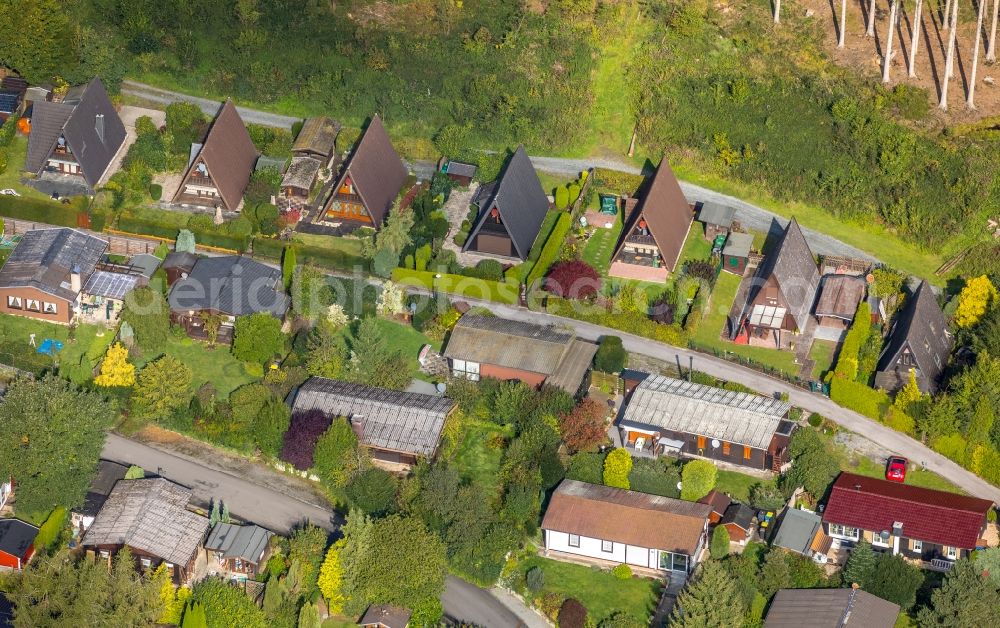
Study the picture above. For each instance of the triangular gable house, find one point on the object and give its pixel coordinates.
(918, 341)
(509, 220)
(219, 170)
(369, 182)
(782, 293)
(654, 234)
(79, 136)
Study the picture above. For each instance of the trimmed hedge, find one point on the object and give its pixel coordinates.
(859, 397)
(471, 287)
(49, 212)
(627, 322)
(138, 226)
(48, 532)
(550, 252)
(332, 259)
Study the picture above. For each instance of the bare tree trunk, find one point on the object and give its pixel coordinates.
(777, 11)
(947, 12)
(843, 22)
(970, 100)
(950, 62)
(916, 38)
(887, 60)
(991, 51)
(870, 32)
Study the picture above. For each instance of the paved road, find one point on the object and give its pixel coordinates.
(210, 107)
(485, 608)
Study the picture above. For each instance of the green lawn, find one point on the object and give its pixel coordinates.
(217, 365)
(475, 459)
(736, 485)
(402, 337)
(822, 352)
(77, 358)
(598, 590)
(544, 231)
(351, 246)
(601, 245)
(695, 246)
(863, 465)
(715, 322)
(11, 177)
(551, 181)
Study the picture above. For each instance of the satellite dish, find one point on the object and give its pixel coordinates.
(885, 535)
(679, 485)
(715, 443)
(441, 387)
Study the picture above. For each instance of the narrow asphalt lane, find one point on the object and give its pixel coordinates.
(208, 106)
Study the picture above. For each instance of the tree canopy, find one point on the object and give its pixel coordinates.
(257, 338)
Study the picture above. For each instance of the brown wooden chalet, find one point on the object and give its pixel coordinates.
(839, 298)
(79, 136)
(654, 234)
(317, 139)
(736, 253)
(238, 549)
(219, 169)
(781, 296)
(511, 211)
(150, 517)
(666, 415)
(368, 183)
(919, 341)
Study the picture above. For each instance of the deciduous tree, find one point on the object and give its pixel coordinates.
(975, 299)
(331, 578)
(574, 279)
(300, 439)
(611, 355)
(697, 479)
(337, 455)
(257, 338)
(585, 427)
(116, 370)
(617, 466)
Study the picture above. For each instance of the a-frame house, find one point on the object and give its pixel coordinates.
(919, 341)
(654, 234)
(219, 169)
(511, 211)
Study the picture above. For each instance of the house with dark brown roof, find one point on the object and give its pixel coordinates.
(719, 503)
(108, 474)
(935, 527)
(919, 341)
(385, 616)
(511, 211)
(490, 346)
(368, 183)
(317, 139)
(830, 608)
(219, 170)
(782, 293)
(738, 521)
(839, 297)
(397, 428)
(654, 234)
(613, 525)
(79, 136)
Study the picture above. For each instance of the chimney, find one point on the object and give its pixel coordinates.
(74, 280)
(99, 126)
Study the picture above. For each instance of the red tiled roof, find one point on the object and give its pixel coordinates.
(927, 515)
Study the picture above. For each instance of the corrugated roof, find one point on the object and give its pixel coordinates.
(521, 202)
(927, 515)
(716, 214)
(922, 328)
(394, 420)
(680, 406)
(301, 173)
(830, 608)
(614, 514)
(738, 245)
(376, 170)
(505, 342)
(234, 541)
(229, 155)
(318, 136)
(149, 515)
(573, 367)
(840, 296)
(795, 271)
(44, 259)
(797, 530)
(230, 284)
(668, 216)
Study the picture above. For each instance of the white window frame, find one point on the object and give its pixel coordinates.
(844, 532)
(37, 307)
(573, 540)
(951, 552)
(608, 546)
(918, 546)
(49, 308)
(878, 542)
(464, 368)
(13, 302)
(145, 562)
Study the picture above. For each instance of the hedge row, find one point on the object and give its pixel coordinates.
(859, 397)
(333, 259)
(550, 252)
(138, 226)
(471, 287)
(49, 212)
(628, 322)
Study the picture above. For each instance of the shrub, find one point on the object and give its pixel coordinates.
(48, 532)
(720, 542)
(575, 279)
(385, 260)
(622, 572)
(766, 496)
(858, 397)
(490, 269)
(611, 355)
(373, 491)
(551, 249)
(534, 579)
(296, 128)
(408, 262)
(617, 466)
(815, 419)
(561, 197)
(257, 338)
(461, 237)
(697, 479)
(573, 190)
(300, 439)
(585, 426)
(156, 191)
(572, 614)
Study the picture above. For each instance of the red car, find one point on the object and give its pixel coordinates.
(895, 469)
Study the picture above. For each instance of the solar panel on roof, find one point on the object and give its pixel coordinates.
(110, 285)
(8, 101)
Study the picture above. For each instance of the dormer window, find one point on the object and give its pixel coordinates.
(99, 126)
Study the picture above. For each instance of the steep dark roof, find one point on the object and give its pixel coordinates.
(376, 170)
(740, 515)
(830, 608)
(667, 214)
(108, 474)
(386, 615)
(229, 155)
(519, 198)
(45, 258)
(922, 328)
(317, 136)
(16, 537)
(244, 542)
(794, 269)
(388, 419)
(927, 515)
(230, 284)
(89, 123)
(718, 501)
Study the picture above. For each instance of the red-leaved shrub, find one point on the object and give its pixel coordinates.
(300, 439)
(574, 279)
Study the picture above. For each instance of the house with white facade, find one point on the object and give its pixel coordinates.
(613, 525)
